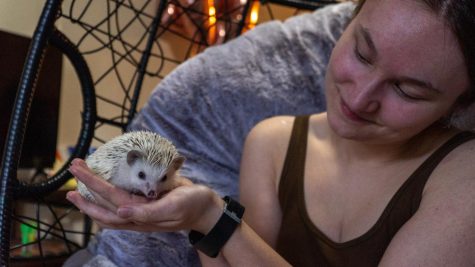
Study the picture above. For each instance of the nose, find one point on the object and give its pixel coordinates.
(365, 95)
(152, 194)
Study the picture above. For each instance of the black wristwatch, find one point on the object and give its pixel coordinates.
(212, 243)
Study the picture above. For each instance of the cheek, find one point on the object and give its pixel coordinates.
(339, 74)
(337, 68)
(343, 65)
(400, 115)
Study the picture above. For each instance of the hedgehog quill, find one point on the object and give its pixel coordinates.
(140, 162)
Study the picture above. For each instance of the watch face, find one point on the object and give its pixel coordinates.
(233, 209)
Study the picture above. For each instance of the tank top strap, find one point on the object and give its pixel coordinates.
(294, 163)
(409, 195)
(433, 160)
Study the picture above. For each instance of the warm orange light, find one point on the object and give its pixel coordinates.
(211, 22)
(212, 15)
(254, 16)
(254, 13)
(211, 12)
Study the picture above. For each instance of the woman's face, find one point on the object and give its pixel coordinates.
(395, 71)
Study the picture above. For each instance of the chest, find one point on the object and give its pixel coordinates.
(345, 202)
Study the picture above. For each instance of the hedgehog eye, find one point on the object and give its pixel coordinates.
(164, 178)
(141, 175)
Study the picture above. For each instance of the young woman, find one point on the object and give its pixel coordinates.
(385, 176)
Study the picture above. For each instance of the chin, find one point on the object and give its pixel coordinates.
(351, 135)
(341, 129)
(349, 131)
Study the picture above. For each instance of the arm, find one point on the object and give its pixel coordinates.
(442, 232)
(261, 166)
(188, 206)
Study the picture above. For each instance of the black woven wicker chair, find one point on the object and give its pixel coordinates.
(152, 22)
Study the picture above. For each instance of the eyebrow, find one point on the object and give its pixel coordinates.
(369, 41)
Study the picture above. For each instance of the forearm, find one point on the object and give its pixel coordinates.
(246, 248)
(206, 261)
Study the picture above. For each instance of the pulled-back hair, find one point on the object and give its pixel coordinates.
(460, 18)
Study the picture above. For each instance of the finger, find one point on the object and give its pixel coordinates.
(152, 212)
(104, 218)
(103, 202)
(96, 212)
(93, 181)
(138, 213)
(164, 212)
(167, 208)
(130, 226)
(100, 186)
(144, 220)
(183, 181)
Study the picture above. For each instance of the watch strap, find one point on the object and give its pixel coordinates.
(212, 243)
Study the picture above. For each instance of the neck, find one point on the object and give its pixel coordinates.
(355, 151)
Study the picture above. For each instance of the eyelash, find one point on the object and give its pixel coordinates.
(398, 89)
(360, 57)
(403, 94)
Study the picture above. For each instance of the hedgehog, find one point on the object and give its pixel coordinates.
(140, 162)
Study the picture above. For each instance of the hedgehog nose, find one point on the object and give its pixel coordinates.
(152, 194)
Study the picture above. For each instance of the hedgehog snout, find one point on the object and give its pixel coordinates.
(152, 194)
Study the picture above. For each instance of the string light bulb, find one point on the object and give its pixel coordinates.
(211, 22)
(254, 14)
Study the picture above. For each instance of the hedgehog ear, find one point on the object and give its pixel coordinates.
(177, 162)
(133, 156)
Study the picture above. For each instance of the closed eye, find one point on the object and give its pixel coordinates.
(403, 94)
(360, 56)
(363, 40)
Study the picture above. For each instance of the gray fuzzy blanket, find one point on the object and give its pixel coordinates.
(207, 106)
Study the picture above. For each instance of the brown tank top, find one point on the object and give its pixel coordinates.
(302, 244)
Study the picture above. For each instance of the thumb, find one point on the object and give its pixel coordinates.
(126, 212)
(136, 213)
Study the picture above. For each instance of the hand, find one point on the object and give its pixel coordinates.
(188, 206)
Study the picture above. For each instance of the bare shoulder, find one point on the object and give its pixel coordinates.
(456, 170)
(441, 232)
(273, 128)
(270, 136)
(452, 184)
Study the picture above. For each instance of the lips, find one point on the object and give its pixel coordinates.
(349, 114)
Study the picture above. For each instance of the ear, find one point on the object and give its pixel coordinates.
(460, 115)
(133, 156)
(178, 162)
